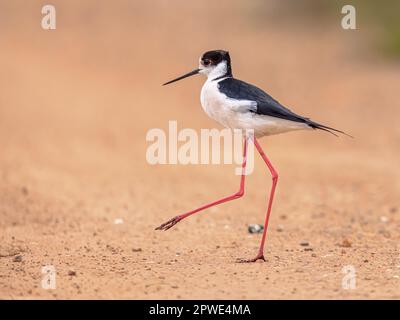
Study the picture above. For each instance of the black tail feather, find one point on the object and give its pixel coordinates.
(316, 125)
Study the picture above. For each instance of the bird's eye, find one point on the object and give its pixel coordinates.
(206, 62)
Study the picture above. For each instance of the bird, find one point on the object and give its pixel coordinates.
(236, 104)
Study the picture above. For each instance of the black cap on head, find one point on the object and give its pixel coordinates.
(214, 57)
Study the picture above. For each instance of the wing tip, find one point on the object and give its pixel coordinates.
(315, 125)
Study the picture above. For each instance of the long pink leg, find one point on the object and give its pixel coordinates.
(274, 174)
(240, 193)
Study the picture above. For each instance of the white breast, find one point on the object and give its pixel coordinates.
(217, 105)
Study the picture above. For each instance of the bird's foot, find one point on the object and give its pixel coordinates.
(260, 256)
(170, 223)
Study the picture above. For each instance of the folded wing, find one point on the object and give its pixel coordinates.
(260, 102)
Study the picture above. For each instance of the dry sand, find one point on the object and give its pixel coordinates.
(75, 106)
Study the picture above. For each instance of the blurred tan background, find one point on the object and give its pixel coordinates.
(75, 106)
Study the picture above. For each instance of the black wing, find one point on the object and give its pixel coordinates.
(266, 105)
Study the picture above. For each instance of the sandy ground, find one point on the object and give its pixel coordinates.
(75, 106)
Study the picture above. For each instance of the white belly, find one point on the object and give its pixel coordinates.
(225, 111)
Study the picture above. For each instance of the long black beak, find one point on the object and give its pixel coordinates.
(192, 73)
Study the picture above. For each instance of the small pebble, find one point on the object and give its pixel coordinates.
(17, 258)
(137, 249)
(304, 244)
(24, 191)
(255, 228)
(118, 221)
(346, 243)
(384, 219)
(72, 273)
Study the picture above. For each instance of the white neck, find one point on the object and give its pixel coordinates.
(215, 71)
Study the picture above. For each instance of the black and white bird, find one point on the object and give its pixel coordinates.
(239, 105)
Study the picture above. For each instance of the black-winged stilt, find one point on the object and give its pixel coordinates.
(238, 105)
